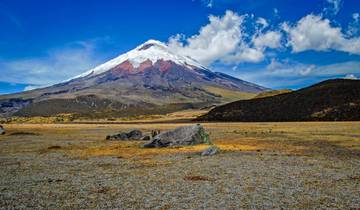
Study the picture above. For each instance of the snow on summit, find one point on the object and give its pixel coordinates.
(152, 50)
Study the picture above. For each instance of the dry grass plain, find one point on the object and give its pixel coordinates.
(261, 166)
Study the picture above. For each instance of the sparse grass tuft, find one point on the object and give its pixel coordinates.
(22, 133)
(198, 178)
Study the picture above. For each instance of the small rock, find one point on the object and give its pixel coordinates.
(2, 130)
(187, 135)
(146, 138)
(135, 135)
(132, 135)
(155, 133)
(212, 150)
(119, 136)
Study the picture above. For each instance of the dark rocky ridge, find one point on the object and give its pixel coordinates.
(331, 100)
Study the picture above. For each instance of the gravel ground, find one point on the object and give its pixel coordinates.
(231, 180)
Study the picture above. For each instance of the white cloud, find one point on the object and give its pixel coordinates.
(274, 64)
(306, 71)
(354, 26)
(313, 32)
(276, 13)
(350, 76)
(270, 39)
(57, 66)
(227, 39)
(207, 3)
(210, 4)
(245, 54)
(356, 16)
(287, 73)
(224, 39)
(351, 67)
(32, 87)
(214, 41)
(261, 21)
(287, 68)
(333, 6)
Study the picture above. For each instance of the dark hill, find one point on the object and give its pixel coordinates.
(331, 100)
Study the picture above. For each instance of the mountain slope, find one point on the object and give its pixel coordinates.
(272, 93)
(330, 100)
(148, 79)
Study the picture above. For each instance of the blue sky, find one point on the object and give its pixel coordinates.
(278, 43)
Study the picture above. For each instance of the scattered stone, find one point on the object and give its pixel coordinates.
(119, 136)
(187, 135)
(212, 150)
(54, 180)
(135, 135)
(103, 190)
(132, 135)
(155, 133)
(2, 130)
(146, 138)
(198, 178)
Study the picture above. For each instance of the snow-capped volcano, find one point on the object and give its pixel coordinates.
(150, 51)
(148, 79)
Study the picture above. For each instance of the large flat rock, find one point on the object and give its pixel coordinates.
(187, 135)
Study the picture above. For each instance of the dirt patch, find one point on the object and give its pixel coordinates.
(23, 133)
(198, 178)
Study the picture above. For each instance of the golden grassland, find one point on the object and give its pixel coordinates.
(298, 165)
(85, 140)
(184, 115)
(230, 95)
(272, 93)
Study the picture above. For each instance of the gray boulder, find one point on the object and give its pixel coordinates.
(119, 136)
(135, 135)
(187, 135)
(132, 135)
(212, 150)
(146, 138)
(2, 130)
(151, 135)
(154, 133)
